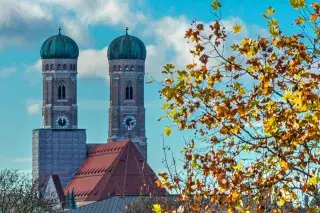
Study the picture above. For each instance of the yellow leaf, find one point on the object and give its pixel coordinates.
(270, 11)
(229, 210)
(296, 4)
(237, 28)
(165, 106)
(239, 166)
(210, 81)
(284, 165)
(242, 91)
(167, 131)
(156, 208)
(281, 202)
(194, 164)
(300, 20)
(287, 95)
(313, 181)
(215, 4)
(235, 195)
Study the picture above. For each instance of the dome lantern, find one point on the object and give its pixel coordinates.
(59, 47)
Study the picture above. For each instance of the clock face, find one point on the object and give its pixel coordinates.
(62, 122)
(129, 122)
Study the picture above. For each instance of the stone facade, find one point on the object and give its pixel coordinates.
(124, 73)
(57, 73)
(57, 151)
(59, 147)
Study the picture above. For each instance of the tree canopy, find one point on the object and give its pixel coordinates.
(256, 103)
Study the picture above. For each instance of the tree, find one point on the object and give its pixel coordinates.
(152, 204)
(262, 139)
(18, 194)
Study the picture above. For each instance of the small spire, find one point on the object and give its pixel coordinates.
(126, 30)
(59, 30)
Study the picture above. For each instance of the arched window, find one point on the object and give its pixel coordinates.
(132, 68)
(129, 91)
(142, 68)
(64, 67)
(47, 67)
(119, 67)
(127, 68)
(51, 67)
(59, 66)
(138, 68)
(62, 92)
(114, 68)
(75, 67)
(70, 66)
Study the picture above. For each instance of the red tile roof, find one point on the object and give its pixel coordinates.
(115, 168)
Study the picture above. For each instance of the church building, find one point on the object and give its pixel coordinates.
(93, 172)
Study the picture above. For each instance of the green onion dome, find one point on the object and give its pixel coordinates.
(127, 47)
(59, 46)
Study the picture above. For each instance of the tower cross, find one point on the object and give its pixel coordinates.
(126, 30)
(59, 30)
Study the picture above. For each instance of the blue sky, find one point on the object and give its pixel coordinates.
(25, 25)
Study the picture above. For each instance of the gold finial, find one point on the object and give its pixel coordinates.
(59, 30)
(126, 30)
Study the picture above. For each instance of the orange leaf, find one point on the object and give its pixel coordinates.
(314, 17)
(195, 208)
(158, 183)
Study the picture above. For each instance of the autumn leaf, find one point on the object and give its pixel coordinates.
(276, 116)
(195, 208)
(237, 28)
(216, 4)
(167, 131)
(313, 180)
(296, 4)
(156, 208)
(235, 195)
(270, 11)
(284, 165)
(200, 27)
(281, 202)
(300, 20)
(314, 17)
(238, 166)
(158, 183)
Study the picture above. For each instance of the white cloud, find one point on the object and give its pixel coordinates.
(93, 63)
(7, 72)
(76, 30)
(21, 21)
(33, 106)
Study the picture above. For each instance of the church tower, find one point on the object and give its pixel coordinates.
(59, 147)
(126, 55)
